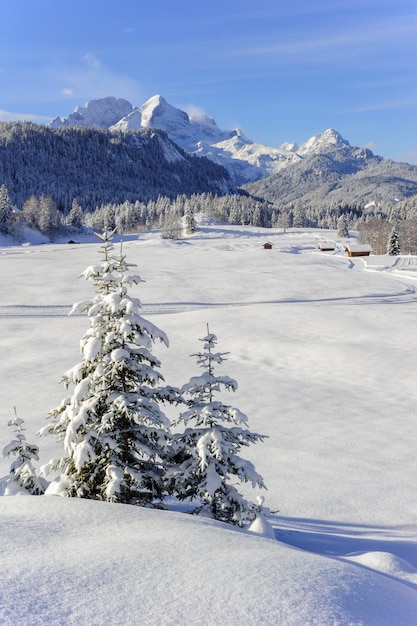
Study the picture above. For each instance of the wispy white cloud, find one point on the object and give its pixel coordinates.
(371, 145)
(9, 116)
(398, 103)
(382, 37)
(194, 111)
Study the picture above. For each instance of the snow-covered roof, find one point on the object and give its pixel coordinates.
(358, 247)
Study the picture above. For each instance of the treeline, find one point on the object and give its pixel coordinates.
(43, 214)
(174, 215)
(164, 211)
(243, 209)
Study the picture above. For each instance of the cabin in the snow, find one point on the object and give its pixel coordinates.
(326, 246)
(358, 249)
(268, 245)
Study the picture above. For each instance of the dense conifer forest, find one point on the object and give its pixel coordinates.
(98, 166)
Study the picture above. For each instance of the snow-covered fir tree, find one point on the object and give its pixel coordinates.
(342, 226)
(394, 247)
(22, 477)
(112, 427)
(7, 223)
(205, 463)
(190, 225)
(299, 218)
(75, 216)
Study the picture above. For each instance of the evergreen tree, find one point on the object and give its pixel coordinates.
(22, 477)
(113, 429)
(190, 225)
(394, 243)
(299, 215)
(205, 462)
(342, 226)
(75, 216)
(7, 223)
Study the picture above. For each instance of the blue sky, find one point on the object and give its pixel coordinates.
(280, 70)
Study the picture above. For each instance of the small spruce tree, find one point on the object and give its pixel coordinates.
(113, 428)
(75, 216)
(22, 477)
(190, 225)
(7, 223)
(394, 247)
(299, 215)
(205, 462)
(342, 226)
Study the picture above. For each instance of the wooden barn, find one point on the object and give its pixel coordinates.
(358, 249)
(326, 246)
(268, 245)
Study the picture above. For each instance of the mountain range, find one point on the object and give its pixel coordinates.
(109, 151)
(199, 134)
(325, 171)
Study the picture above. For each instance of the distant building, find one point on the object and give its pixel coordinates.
(358, 249)
(326, 246)
(267, 245)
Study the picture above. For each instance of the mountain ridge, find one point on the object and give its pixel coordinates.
(198, 134)
(323, 174)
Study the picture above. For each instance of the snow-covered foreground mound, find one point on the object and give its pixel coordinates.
(77, 562)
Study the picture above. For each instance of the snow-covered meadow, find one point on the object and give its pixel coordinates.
(323, 349)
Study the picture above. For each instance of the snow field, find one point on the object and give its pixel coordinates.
(323, 353)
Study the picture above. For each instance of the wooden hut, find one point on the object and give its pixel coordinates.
(358, 249)
(267, 245)
(326, 246)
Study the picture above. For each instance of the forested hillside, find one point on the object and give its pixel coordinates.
(344, 177)
(98, 166)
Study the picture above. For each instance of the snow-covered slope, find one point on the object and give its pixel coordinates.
(199, 134)
(68, 562)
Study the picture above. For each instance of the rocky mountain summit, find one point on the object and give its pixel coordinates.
(101, 113)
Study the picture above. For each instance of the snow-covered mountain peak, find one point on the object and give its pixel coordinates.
(157, 112)
(323, 142)
(100, 113)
